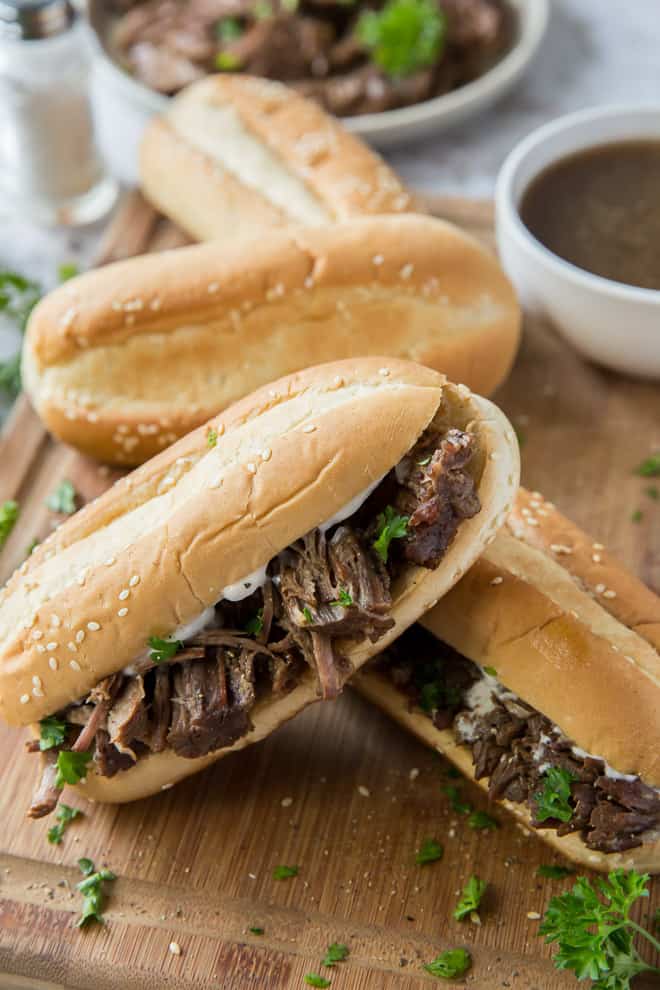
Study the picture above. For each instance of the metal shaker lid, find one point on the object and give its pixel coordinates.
(29, 20)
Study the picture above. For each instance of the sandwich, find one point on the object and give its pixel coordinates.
(247, 571)
(538, 676)
(122, 361)
(234, 155)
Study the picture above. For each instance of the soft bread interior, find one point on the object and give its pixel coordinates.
(379, 690)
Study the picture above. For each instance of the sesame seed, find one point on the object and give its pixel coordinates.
(74, 665)
(55, 621)
(535, 504)
(175, 948)
(378, 259)
(286, 802)
(134, 580)
(413, 774)
(596, 557)
(122, 612)
(52, 663)
(110, 561)
(37, 681)
(494, 455)
(93, 626)
(364, 791)
(24, 699)
(533, 522)
(407, 271)
(251, 468)
(82, 577)
(310, 428)
(526, 511)
(497, 580)
(80, 635)
(609, 593)
(266, 454)
(597, 546)
(123, 594)
(309, 282)
(533, 915)
(37, 634)
(37, 692)
(41, 648)
(217, 483)
(52, 646)
(600, 588)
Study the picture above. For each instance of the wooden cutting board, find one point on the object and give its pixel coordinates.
(341, 792)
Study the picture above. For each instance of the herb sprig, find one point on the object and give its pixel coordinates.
(553, 800)
(404, 36)
(52, 732)
(285, 872)
(450, 965)
(71, 767)
(65, 815)
(9, 512)
(18, 297)
(92, 889)
(391, 526)
(470, 899)
(430, 851)
(337, 952)
(162, 650)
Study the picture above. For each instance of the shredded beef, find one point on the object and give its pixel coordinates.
(512, 745)
(204, 718)
(46, 795)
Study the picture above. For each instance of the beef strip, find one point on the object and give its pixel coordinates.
(128, 719)
(512, 741)
(46, 795)
(203, 720)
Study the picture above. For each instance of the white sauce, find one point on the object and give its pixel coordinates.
(609, 771)
(350, 507)
(195, 626)
(245, 587)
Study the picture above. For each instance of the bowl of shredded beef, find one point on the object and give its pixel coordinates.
(388, 68)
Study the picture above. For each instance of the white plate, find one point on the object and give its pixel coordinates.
(123, 105)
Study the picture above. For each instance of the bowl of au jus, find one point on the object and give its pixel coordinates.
(578, 230)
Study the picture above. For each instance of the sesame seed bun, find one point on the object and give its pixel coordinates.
(122, 361)
(234, 155)
(158, 548)
(587, 662)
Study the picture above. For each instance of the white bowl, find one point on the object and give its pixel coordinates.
(122, 105)
(608, 322)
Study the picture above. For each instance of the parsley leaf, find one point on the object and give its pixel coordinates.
(67, 270)
(636, 516)
(255, 625)
(18, 297)
(309, 618)
(256, 930)
(450, 964)
(470, 898)
(481, 820)
(229, 29)
(65, 814)
(344, 598)
(211, 437)
(653, 492)
(430, 851)
(52, 732)
(337, 952)
(390, 527)
(458, 805)
(71, 767)
(92, 888)
(554, 872)
(227, 61)
(553, 801)
(592, 926)
(63, 498)
(490, 671)
(314, 980)
(284, 872)
(9, 512)
(162, 650)
(404, 36)
(650, 468)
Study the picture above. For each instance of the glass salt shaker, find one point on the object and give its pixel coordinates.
(50, 170)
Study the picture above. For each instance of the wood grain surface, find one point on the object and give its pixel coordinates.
(341, 792)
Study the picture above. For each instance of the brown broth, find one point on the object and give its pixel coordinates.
(600, 210)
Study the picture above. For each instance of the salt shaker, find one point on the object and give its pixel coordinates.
(50, 170)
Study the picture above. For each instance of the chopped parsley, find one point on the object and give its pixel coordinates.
(591, 924)
(337, 952)
(470, 899)
(554, 800)
(285, 872)
(71, 767)
(344, 598)
(227, 61)
(309, 618)
(653, 492)
(456, 801)
(9, 512)
(52, 732)
(404, 36)
(314, 980)
(229, 29)
(63, 498)
(32, 547)
(211, 437)
(18, 297)
(650, 468)
(450, 965)
(481, 820)
(162, 650)
(390, 527)
(256, 624)
(67, 270)
(491, 671)
(430, 851)
(92, 889)
(64, 816)
(554, 872)
(425, 460)
(255, 930)
(636, 516)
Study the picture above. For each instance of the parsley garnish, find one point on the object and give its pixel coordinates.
(490, 671)
(18, 297)
(595, 933)
(344, 598)
(32, 547)
(390, 527)
(9, 512)
(52, 732)
(470, 898)
(229, 29)
(66, 271)
(227, 61)
(425, 460)
(482, 820)
(65, 814)
(314, 980)
(63, 498)
(636, 516)
(92, 888)
(71, 767)
(337, 952)
(458, 805)
(284, 872)
(653, 492)
(430, 851)
(256, 931)
(162, 650)
(211, 437)
(255, 625)
(309, 618)
(650, 468)
(553, 800)
(554, 872)
(404, 36)
(450, 964)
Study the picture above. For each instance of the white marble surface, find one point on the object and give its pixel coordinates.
(595, 52)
